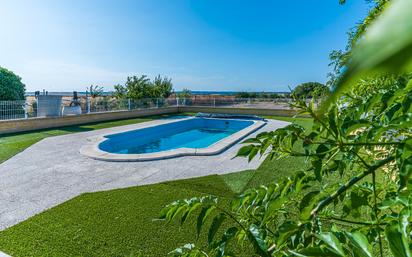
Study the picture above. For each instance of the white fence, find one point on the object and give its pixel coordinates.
(13, 110)
(261, 103)
(33, 108)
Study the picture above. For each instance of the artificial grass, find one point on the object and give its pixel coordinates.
(269, 170)
(120, 222)
(12, 144)
(111, 223)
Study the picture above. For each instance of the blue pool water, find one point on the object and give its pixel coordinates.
(175, 117)
(191, 133)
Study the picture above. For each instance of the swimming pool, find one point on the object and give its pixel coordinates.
(191, 136)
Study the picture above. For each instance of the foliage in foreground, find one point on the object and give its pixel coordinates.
(367, 145)
(364, 139)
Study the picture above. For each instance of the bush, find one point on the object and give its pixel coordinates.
(11, 87)
(310, 90)
(185, 93)
(259, 95)
(162, 87)
(95, 91)
(245, 95)
(142, 88)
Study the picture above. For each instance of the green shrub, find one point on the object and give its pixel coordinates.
(143, 88)
(355, 196)
(310, 90)
(185, 93)
(266, 95)
(11, 87)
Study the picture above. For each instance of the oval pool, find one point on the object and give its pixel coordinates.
(192, 136)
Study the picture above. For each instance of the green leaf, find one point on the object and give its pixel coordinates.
(217, 221)
(202, 217)
(398, 241)
(404, 162)
(189, 211)
(355, 125)
(385, 47)
(358, 197)
(257, 239)
(286, 230)
(171, 212)
(308, 200)
(359, 244)
(227, 236)
(272, 208)
(332, 120)
(253, 153)
(317, 168)
(245, 150)
(252, 140)
(322, 149)
(310, 252)
(332, 242)
(178, 210)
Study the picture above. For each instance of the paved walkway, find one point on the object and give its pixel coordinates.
(53, 171)
(3, 254)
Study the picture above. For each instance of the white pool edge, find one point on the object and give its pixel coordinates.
(92, 150)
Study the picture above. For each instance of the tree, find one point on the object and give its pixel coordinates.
(95, 91)
(142, 88)
(363, 142)
(310, 90)
(246, 95)
(11, 87)
(163, 86)
(120, 91)
(185, 93)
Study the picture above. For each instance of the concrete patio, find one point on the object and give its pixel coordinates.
(53, 171)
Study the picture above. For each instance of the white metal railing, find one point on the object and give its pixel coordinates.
(262, 103)
(22, 109)
(13, 109)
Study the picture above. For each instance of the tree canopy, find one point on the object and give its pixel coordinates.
(143, 88)
(185, 93)
(261, 95)
(11, 87)
(95, 91)
(310, 89)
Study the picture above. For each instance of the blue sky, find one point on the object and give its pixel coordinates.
(229, 45)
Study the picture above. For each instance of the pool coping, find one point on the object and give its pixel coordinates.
(91, 148)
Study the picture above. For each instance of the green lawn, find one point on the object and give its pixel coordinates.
(120, 222)
(11, 144)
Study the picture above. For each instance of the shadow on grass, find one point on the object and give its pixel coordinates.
(212, 184)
